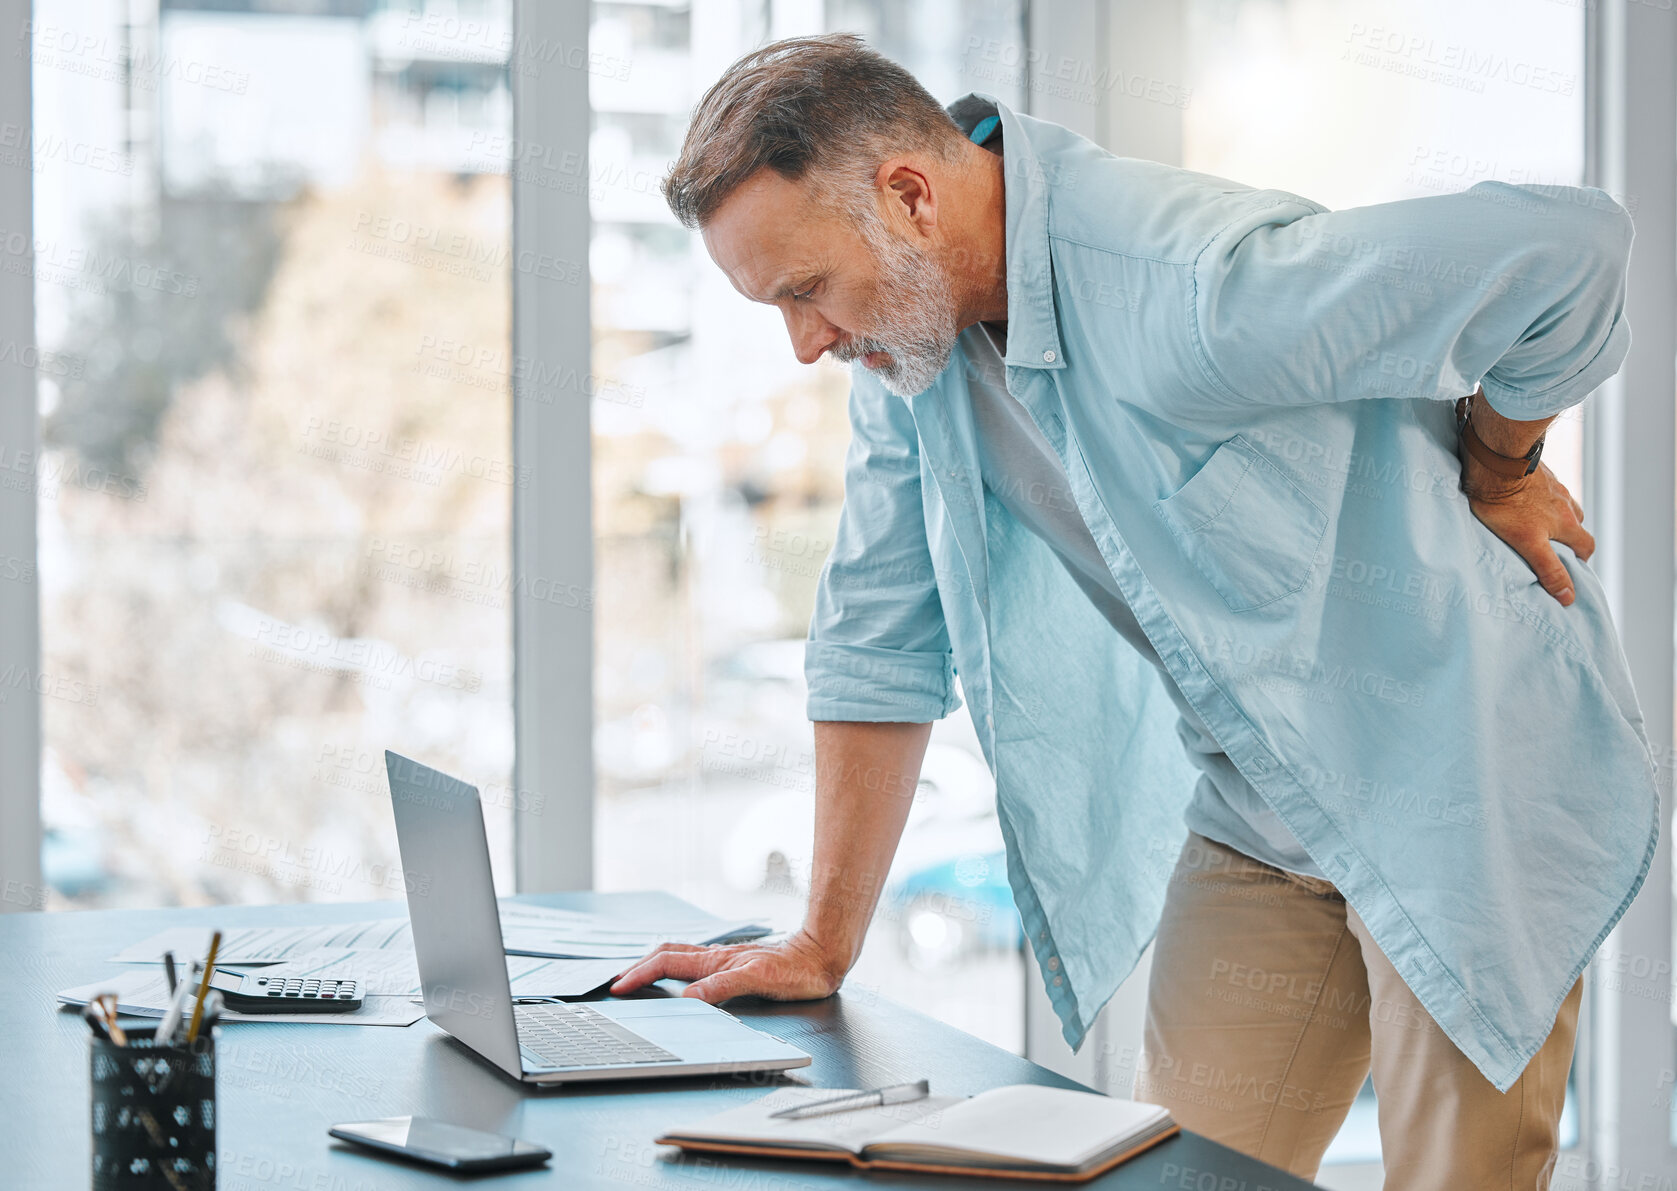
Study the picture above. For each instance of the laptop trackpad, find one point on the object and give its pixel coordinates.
(661, 1007)
(689, 1026)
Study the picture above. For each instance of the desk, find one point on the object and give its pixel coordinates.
(281, 1086)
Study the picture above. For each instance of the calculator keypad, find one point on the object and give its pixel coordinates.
(299, 988)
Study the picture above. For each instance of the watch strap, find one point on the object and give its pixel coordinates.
(1508, 467)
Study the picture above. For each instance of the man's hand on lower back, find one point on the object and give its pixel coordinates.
(795, 969)
(1528, 514)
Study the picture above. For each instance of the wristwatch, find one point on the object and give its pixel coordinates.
(1508, 467)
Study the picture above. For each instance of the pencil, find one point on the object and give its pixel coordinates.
(203, 988)
(107, 1009)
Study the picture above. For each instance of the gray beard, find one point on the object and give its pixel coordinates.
(914, 300)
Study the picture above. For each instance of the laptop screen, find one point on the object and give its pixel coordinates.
(451, 903)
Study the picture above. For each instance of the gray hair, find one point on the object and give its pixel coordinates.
(828, 104)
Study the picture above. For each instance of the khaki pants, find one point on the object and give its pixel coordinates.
(1269, 1004)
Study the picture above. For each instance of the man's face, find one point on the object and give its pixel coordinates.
(871, 292)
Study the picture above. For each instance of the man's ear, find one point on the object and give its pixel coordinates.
(909, 194)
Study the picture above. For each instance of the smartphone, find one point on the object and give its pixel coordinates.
(438, 1143)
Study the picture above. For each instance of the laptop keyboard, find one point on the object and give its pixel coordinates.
(577, 1036)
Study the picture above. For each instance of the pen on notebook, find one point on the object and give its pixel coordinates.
(900, 1093)
(203, 989)
(169, 970)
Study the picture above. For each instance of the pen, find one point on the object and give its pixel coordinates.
(203, 988)
(177, 1006)
(107, 1013)
(161, 1141)
(900, 1093)
(169, 970)
(213, 1005)
(96, 1023)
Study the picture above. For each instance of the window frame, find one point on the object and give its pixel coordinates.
(552, 515)
(20, 609)
(1628, 1042)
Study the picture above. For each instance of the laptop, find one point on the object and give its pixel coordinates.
(463, 968)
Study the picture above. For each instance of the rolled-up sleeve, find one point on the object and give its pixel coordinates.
(878, 649)
(1518, 288)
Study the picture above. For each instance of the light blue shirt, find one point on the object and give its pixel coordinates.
(1251, 397)
(1023, 471)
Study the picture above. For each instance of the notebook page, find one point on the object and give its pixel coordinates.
(848, 1131)
(1025, 1123)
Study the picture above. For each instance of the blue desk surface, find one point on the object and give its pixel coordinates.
(281, 1086)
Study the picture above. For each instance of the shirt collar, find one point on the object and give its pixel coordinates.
(1033, 331)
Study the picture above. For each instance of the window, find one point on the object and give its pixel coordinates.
(718, 481)
(1372, 101)
(275, 490)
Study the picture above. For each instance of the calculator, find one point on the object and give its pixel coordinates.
(256, 993)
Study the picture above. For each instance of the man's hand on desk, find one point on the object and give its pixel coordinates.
(866, 775)
(794, 969)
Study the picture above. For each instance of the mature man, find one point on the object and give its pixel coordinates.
(1143, 454)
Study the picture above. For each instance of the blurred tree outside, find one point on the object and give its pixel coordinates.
(316, 561)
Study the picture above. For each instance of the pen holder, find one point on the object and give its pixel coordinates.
(153, 1113)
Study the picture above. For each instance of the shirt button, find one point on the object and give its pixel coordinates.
(1058, 980)
(1048, 357)
(1053, 963)
(1043, 934)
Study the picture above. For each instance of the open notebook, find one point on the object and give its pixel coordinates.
(1022, 1131)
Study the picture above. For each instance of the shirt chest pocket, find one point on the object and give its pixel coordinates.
(1246, 526)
